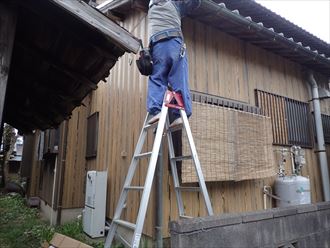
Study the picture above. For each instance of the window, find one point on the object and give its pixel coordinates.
(92, 135)
(51, 140)
(291, 122)
(326, 128)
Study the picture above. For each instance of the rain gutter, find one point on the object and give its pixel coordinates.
(209, 7)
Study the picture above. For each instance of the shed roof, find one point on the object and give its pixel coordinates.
(62, 49)
(255, 24)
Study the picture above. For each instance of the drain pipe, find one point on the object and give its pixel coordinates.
(62, 163)
(53, 192)
(320, 137)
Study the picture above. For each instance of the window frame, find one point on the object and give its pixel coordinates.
(92, 135)
(291, 119)
(326, 128)
(51, 140)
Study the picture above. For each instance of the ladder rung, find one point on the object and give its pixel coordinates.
(186, 217)
(148, 126)
(123, 241)
(163, 126)
(134, 188)
(142, 155)
(125, 224)
(188, 188)
(175, 128)
(180, 158)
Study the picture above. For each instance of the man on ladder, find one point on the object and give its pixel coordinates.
(167, 88)
(170, 66)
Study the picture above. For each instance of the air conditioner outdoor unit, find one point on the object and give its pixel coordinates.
(95, 203)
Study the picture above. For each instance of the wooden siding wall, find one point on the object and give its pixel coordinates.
(47, 180)
(75, 162)
(219, 64)
(323, 82)
(30, 159)
(325, 106)
(33, 189)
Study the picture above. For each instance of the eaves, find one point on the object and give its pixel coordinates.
(61, 51)
(246, 28)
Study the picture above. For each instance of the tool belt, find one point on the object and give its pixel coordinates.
(144, 62)
(165, 35)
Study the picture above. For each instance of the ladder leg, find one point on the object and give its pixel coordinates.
(197, 163)
(111, 235)
(149, 178)
(127, 182)
(164, 120)
(174, 172)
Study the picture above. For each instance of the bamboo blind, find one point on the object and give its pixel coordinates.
(232, 145)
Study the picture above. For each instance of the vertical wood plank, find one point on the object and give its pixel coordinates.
(7, 36)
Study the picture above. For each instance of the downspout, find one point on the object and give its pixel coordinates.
(320, 137)
(62, 173)
(53, 192)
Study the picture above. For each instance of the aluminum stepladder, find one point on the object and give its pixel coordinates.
(161, 124)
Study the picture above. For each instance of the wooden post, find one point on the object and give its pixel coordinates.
(7, 34)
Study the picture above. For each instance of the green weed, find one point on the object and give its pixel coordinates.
(21, 227)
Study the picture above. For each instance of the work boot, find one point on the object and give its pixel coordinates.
(154, 119)
(176, 123)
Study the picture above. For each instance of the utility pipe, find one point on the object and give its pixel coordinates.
(53, 192)
(320, 137)
(63, 149)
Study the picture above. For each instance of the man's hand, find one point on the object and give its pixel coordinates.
(185, 7)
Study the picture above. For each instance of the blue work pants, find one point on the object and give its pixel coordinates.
(170, 67)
